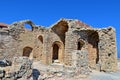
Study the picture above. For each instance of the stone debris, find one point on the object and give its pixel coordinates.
(54, 71)
(21, 68)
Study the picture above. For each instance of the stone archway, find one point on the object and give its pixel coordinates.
(93, 40)
(27, 51)
(57, 52)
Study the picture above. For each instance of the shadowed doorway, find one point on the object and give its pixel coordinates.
(55, 52)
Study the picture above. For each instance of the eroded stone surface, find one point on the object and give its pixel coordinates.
(21, 68)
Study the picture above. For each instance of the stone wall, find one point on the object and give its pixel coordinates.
(107, 49)
(101, 46)
(8, 45)
(68, 35)
(80, 62)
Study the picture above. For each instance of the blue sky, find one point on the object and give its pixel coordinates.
(97, 13)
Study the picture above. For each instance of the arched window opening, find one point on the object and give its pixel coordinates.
(55, 52)
(80, 45)
(27, 51)
(29, 27)
(40, 38)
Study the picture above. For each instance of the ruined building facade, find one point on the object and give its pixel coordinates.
(61, 42)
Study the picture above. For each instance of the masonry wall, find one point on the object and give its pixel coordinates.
(51, 39)
(26, 40)
(82, 40)
(8, 45)
(17, 40)
(34, 39)
(69, 47)
(68, 36)
(39, 42)
(107, 49)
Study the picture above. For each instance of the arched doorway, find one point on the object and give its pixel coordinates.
(27, 51)
(57, 52)
(93, 40)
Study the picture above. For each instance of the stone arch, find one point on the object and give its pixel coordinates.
(93, 40)
(27, 51)
(60, 29)
(28, 26)
(57, 51)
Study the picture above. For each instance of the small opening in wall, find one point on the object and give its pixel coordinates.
(29, 27)
(40, 38)
(80, 45)
(109, 54)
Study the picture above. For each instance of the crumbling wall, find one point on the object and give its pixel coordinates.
(28, 38)
(9, 41)
(69, 46)
(107, 49)
(68, 35)
(80, 39)
(39, 45)
(15, 38)
(80, 62)
(55, 36)
(21, 68)
(73, 36)
(50, 39)
(72, 39)
(6, 41)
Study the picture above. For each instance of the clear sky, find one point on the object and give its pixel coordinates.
(97, 13)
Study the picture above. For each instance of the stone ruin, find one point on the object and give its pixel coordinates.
(69, 42)
(21, 68)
